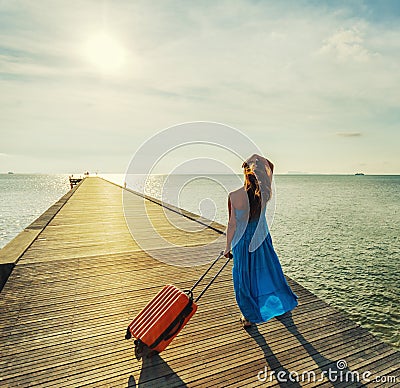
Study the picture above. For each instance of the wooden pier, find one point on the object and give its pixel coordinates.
(78, 278)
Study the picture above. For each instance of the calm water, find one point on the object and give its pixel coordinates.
(336, 235)
(23, 198)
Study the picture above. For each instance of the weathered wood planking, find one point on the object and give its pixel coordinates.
(66, 305)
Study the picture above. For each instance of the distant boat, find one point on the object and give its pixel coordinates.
(359, 173)
(10, 172)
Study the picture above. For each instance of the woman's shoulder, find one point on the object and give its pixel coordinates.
(239, 191)
(236, 196)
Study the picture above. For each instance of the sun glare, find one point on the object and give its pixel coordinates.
(105, 53)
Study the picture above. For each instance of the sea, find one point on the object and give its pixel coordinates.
(337, 235)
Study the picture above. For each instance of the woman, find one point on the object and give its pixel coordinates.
(260, 287)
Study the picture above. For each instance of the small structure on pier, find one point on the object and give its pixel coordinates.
(74, 181)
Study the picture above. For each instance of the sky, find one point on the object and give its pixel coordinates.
(314, 84)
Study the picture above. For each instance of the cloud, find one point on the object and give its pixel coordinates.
(347, 44)
(349, 134)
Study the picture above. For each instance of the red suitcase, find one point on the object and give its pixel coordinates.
(164, 316)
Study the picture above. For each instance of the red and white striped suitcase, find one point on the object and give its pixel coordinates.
(165, 316)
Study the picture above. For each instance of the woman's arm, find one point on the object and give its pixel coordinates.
(231, 227)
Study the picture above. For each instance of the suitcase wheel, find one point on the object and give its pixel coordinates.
(128, 334)
(139, 349)
(142, 350)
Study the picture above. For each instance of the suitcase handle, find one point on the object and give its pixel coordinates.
(178, 327)
(177, 323)
(190, 292)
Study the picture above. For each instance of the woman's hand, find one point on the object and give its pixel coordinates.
(253, 159)
(250, 159)
(256, 158)
(227, 253)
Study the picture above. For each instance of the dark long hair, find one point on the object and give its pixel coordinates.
(257, 183)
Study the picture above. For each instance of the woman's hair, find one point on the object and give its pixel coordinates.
(257, 183)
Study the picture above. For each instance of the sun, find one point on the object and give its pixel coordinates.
(105, 53)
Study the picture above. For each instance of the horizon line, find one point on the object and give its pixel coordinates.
(197, 173)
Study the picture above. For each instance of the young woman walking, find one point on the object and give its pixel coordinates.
(261, 289)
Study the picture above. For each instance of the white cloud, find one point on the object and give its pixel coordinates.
(347, 44)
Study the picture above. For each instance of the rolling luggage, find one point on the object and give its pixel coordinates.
(165, 316)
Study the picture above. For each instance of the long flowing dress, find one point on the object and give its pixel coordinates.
(261, 289)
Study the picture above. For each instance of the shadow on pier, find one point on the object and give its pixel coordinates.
(156, 372)
(328, 370)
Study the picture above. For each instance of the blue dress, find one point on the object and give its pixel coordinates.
(261, 289)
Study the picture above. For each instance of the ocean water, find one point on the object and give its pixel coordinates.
(338, 236)
(25, 197)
